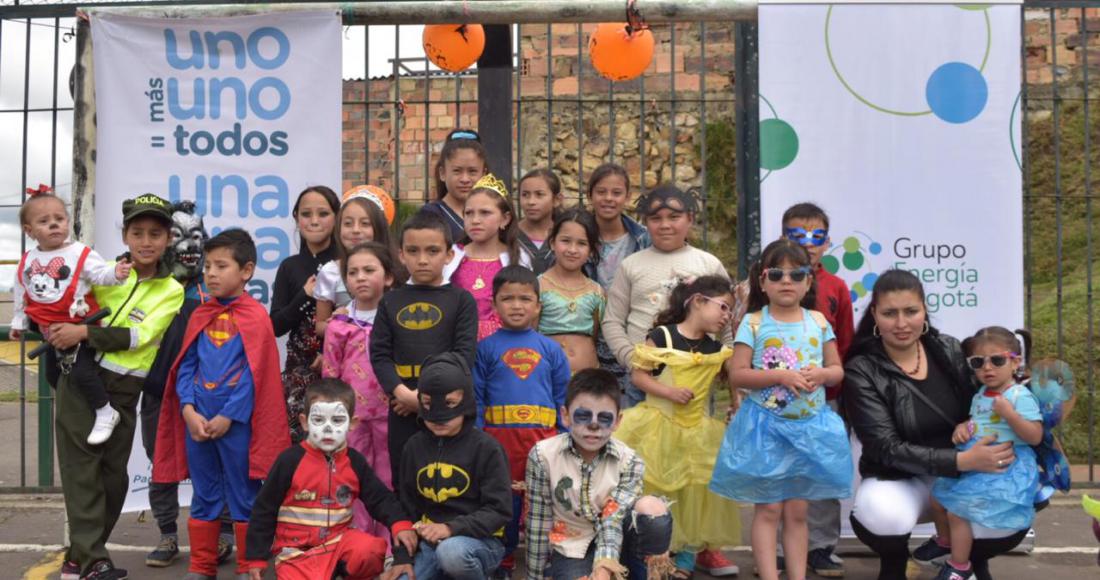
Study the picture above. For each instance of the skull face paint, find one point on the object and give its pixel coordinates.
(591, 420)
(328, 425)
(188, 236)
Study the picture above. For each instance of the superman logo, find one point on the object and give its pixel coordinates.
(419, 316)
(440, 482)
(222, 330)
(522, 361)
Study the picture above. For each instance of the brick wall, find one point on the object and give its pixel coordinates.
(1074, 40)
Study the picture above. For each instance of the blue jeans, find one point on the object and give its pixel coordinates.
(458, 558)
(643, 536)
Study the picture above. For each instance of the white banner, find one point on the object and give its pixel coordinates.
(237, 114)
(902, 122)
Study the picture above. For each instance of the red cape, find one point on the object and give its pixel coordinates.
(270, 433)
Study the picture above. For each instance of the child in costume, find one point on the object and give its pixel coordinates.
(360, 220)
(454, 478)
(368, 272)
(425, 317)
(671, 429)
(488, 246)
(785, 445)
(586, 516)
(573, 303)
(303, 513)
(519, 381)
(221, 418)
(1009, 411)
(53, 284)
(540, 199)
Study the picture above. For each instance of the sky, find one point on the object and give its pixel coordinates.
(385, 43)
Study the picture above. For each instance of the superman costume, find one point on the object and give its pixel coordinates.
(304, 513)
(519, 382)
(229, 366)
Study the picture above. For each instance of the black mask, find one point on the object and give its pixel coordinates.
(440, 375)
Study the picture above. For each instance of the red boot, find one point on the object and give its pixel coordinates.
(204, 547)
(240, 532)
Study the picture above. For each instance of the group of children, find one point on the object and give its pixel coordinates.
(464, 379)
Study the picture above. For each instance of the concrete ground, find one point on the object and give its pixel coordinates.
(32, 530)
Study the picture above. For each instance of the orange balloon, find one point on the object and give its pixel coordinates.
(454, 47)
(375, 194)
(619, 56)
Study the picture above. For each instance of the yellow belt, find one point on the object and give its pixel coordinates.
(521, 415)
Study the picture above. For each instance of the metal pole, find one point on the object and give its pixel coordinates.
(494, 100)
(484, 11)
(747, 73)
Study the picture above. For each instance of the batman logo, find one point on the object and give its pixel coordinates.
(522, 361)
(440, 482)
(419, 316)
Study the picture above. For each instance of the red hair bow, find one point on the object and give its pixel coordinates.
(42, 188)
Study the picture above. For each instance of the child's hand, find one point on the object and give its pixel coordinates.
(963, 432)
(814, 375)
(399, 571)
(408, 539)
(308, 286)
(195, 424)
(64, 336)
(316, 364)
(218, 426)
(404, 401)
(795, 382)
(1003, 407)
(678, 395)
(434, 533)
(122, 269)
(341, 311)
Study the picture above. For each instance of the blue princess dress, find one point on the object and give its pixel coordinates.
(1001, 501)
(780, 446)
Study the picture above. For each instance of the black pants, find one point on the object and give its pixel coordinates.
(164, 499)
(643, 536)
(401, 429)
(893, 551)
(83, 372)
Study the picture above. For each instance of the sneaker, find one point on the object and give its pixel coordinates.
(103, 427)
(715, 563)
(931, 553)
(949, 572)
(165, 553)
(822, 563)
(225, 549)
(70, 570)
(105, 570)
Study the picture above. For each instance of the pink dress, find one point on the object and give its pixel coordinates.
(347, 357)
(476, 277)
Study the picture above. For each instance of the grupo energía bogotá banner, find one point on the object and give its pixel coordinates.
(903, 122)
(237, 114)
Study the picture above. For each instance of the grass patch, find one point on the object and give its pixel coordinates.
(13, 397)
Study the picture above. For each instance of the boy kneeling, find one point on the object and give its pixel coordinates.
(584, 517)
(306, 505)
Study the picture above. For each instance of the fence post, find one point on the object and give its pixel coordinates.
(45, 427)
(494, 100)
(747, 125)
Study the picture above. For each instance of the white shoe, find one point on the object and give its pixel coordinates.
(103, 427)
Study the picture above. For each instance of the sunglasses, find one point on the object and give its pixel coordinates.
(583, 418)
(457, 135)
(722, 304)
(997, 360)
(803, 237)
(796, 275)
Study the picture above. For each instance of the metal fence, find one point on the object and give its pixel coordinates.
(698, 110)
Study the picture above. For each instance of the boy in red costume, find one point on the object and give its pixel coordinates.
(304, 511)
(227, 390)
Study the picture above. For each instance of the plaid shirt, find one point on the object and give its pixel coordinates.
(540, 507)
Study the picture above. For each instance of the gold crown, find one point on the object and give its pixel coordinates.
(491, 182)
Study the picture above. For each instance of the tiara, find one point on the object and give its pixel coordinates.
(491, 182)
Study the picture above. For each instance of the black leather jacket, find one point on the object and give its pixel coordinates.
(879, 406)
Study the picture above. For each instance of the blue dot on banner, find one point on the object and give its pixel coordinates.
(855, 297)
(956, 92)
(875, 248)
(869, 280)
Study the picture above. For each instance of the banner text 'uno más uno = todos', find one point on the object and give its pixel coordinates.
(903, 123)
(236, 114)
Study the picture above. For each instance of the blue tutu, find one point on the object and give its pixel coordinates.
(1001, 501)
(766, 458)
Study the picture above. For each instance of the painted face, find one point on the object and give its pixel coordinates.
(591, 420)
(328, 425)
(188, 234)
(811, 234)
